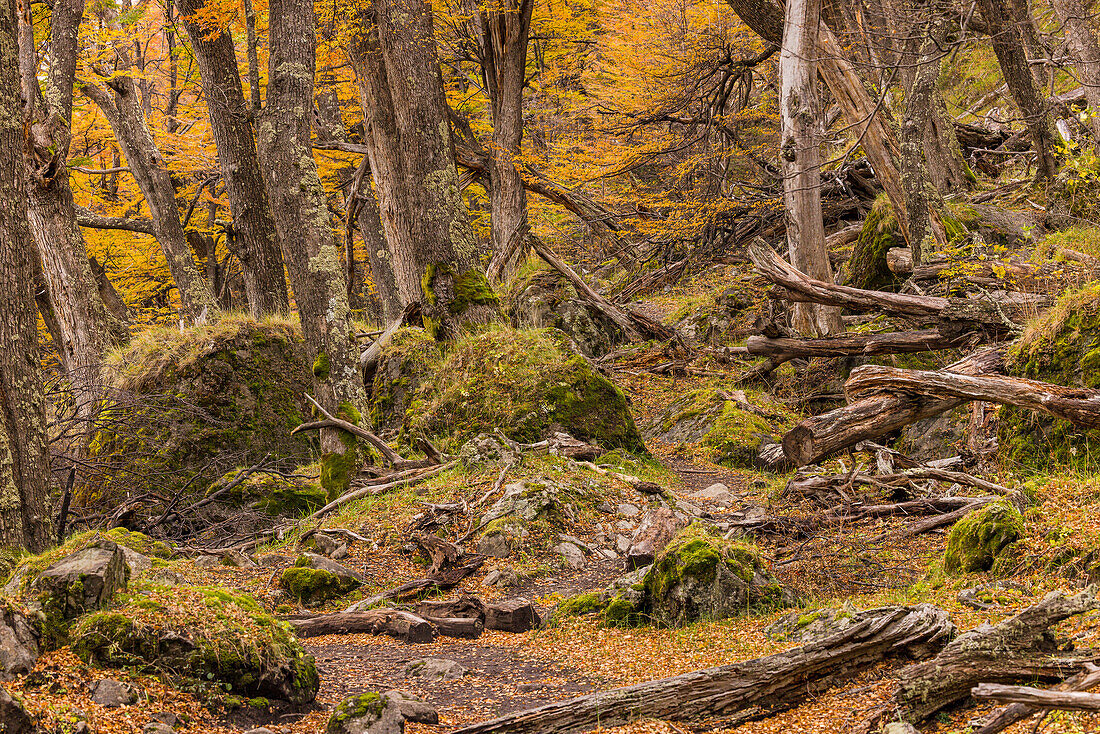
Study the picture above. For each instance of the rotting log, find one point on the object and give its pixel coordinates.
(766, 684)
(897, 342)
(1009, 715)
(877, 415)
(1017, 649)
(1037, 697)
(405, 626)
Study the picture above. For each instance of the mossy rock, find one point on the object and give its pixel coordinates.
(725, 431)
(700, 576)
(726, 316)
(406, 363)
(977, 540)
(315, 585)
(522, 382)
(543, 298)
(202, 633)
(273, 493)
(866, 268)
(206, 399)
(1061, 346)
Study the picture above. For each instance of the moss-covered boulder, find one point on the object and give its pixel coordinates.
(200, 633)
(375, 712)
(543, 298)
(522, 382)
(976, 541)
(275, 494)
(314, 579)
(699, 576)
(726, 431)
(1061, 346)
(621, 604)
(866, 268)
(205, 399)
(725, 316)
(405, 365)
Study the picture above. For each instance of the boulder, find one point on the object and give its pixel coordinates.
(621, 604)
(937, 437)
(157, 727)
(484, 449)
(976, 541)
(18, 643)
(314, 579)
(326, 545)
(699, 576)
(433, 669)
(201, 633)
(405, 365)
(545, 298)
(656, 530)
(571, 554)
(111, 693)
(14, 719)
(379, 713)
(512, 615)
(726, 317)
(717, 492)
(83, 581)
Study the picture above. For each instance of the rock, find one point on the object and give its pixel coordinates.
(85, 580)
(485, 449)
(628, 510)
(237, 559)
(112, 693)
(379, 713)
(18, 643)
(207, 560)
(545, 298)
(14, 719)
(937, 437)
(657, 528)
(497, 544)
(326, 545)
(433, 669)
(137, 563)
(405, 366)
(571, 554)
(698, 576)
(166, 717)
(259, 730)
(976, 541)
(687, 508)
(900, 727)
(503, 577)
(314, 579)
(717, 492)
(157, 727)
(622, 543)
(619, 605)
(513, 615)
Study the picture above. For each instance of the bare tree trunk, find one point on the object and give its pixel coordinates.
(1008, 46)
(302, 219)
(24, 462)
(84, 325)
(800, 160)
(230, 122)
(1081, 39)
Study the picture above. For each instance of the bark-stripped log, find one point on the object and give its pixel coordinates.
(897, 342)
(764, 684)
(1009, 715)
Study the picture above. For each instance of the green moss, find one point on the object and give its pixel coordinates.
(139, 542)
(807, 619)
(579, 605)
(472, 288)
(976, 540)
(866, 268)
(696, 556)
(365, 705)
(337, 471)
(321, 366)
(621, 612)
(314, 585)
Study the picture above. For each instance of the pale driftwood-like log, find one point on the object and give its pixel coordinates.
(1018, 649)
(844, 514)
(405, 626)
(375, 489)
(332, 421)
(897, 342)
(1080, 406)
(877, 415)
(369, 359)
(1037, 697)
(765, 684)
(1085, 680)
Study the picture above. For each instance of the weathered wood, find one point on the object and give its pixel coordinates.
(1009, 715)
(405, 626)
(1037, 697)
(877, 415)
(1080, 406)
(765, 684)
(511, 615)
(897, 342)
(1018, 649)
(369, 359)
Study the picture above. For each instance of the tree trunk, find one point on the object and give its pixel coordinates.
(412, 157)
(304, 229)
(1008, 46)
(230, 116)
(800, 161)
(1081, 39)
(502, 37)
(24, 461)
(84, 324)
(126, 117)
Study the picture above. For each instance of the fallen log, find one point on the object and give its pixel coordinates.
(1018, 649)
(1080, 406)
(877, 415)
(848, 513)
(765, 684)
(405, 626)
(1037, 697)
(1009, 715)
(898, 342)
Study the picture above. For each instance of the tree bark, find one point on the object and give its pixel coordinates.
(764, 684)
(800, 161)
(405, 626)
(1080, 36)
(305, 232)
(783, 349)
(1009, 715)
(24, 459)
(230, 116)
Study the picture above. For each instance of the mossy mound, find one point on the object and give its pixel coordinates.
(866, 268)
(543, 298)
(727, 432)
(1063, 347)
(520, 381)
(274, 494)
(206, 399)
(314, 585)
(406, 363)
(976, 541)
(200, 633)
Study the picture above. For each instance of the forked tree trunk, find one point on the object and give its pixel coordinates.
(231, 118)
(24, 463)
(1080, 36)
(800, 161)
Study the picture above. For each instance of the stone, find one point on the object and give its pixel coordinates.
(689, 509)
(977, 540)
(628, 510)
(237, 559)
(325, 564)
(326, 545)
(503, 577)
(14, 719)
(656, 530)
(207, 561)
(165, 717)
(111, 693)
(573, 556)
(314, 579)
(85, 580)
(512, 615)
(157, 727)
(433, 669)
(18, 643)
(259, 730)
(495, 545)
(137, 562)
(483, 449)
(900, 727)
(622, 543)
(717, 492)
(379, 713)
